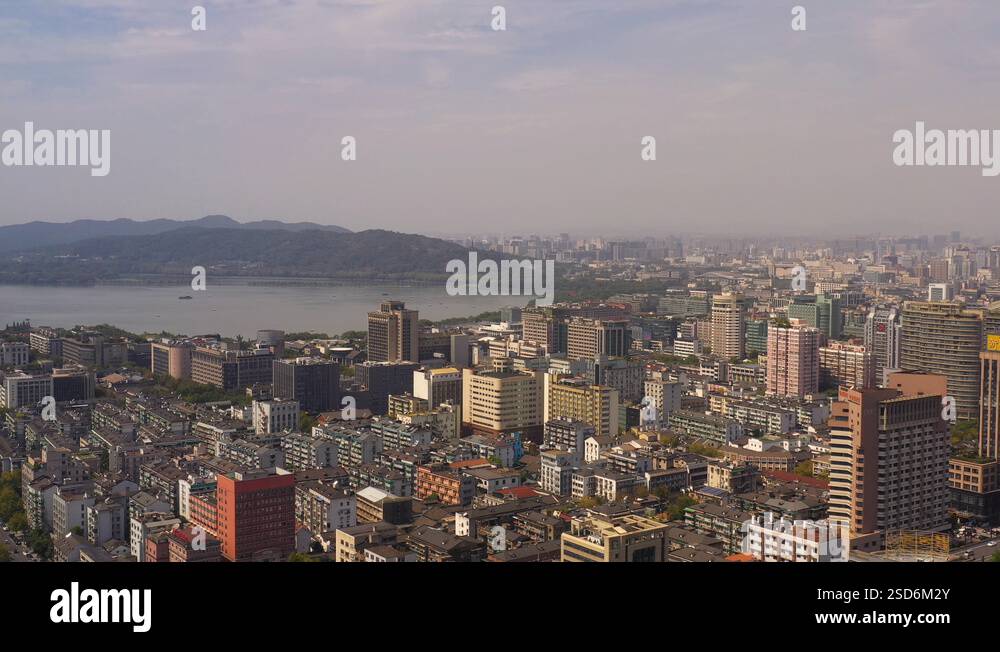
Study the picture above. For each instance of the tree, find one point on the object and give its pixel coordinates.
(77, 530)
(41, 543)
(306, 423)
(675, 510)
(670, 441)
(18, 522)
(301, 557)
(805, 468)
(964, 431)
(704, 450)
(9, 503)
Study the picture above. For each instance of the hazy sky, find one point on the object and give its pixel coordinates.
(461, 128)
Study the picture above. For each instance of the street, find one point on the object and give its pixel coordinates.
(17, 552)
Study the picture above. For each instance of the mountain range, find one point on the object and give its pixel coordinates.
(300, 252)
(32, 235)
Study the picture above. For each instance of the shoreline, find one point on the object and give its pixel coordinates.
(249, 281)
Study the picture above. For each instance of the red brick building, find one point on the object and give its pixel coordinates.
(257, 515)
(451, 487)
(204, 511)
(157, 548)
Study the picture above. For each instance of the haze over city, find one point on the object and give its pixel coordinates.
(759, 127)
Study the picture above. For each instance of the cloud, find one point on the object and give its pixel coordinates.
(536, 127)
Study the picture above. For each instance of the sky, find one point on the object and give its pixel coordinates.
(460, 129)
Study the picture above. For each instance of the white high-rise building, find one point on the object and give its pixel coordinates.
(882, 337)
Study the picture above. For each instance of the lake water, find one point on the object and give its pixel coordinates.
(231, 309)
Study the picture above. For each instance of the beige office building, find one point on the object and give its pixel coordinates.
(498, 402)
(173, 359)
(589, 338)
(577, 400)
(728, 318)
(850, 365)
(624, 539)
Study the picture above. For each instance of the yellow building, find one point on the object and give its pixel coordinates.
(575, 399)
(624, 539)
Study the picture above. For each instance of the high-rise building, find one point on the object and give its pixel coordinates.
(576, 399)
(587, 338)
(231, 370)
(940, 292)
(850, 365)
(621, 373)
(458, 353)
(14, 354)
(728, 316)
(257, 515)
(171, 359)
(819, 311)
(889, 456)
(755, 336)
(93, 350)
(975, 482)
(383, 379)
(989, 400)
(46, 341)
(665, 397)
(24, 390)
(882, 336)
(313, 382)
(73, 384)
(939, 270)
(567, 434)
(944, 338)
(546, 327)
(438, 385)
(393, 333)
(792, 360)
(501, 402)
(275, 416)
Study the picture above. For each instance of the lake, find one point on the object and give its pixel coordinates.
(229, 309)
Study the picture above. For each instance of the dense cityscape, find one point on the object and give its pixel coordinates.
(683, 400)
(704, 293)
